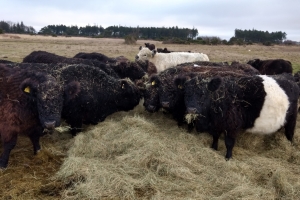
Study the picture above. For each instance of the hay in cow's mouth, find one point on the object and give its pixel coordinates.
(189, 118)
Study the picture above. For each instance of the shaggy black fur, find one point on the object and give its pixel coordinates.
(95, 56)
(150, 46)
(50, 58)
(162, 92)
(91, 95)
(228, 105)
(271, 67)
(121, 65)
(29, 102)
(165, 50)
(6, 62)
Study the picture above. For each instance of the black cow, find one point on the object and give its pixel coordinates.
(30, 101)
(147, 66)
(95, 56)
(161, 92)
(121, 65)
(165, 50)
(6, 62)
(271, 67)
(258, 104)
(150, 46)
(90, 95)
(50, 58)
(93, 95)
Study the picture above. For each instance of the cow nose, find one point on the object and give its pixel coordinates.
(151, 107)
(50, 125)
(192, 110)
(165, 104)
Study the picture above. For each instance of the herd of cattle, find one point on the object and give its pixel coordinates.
(215, 97)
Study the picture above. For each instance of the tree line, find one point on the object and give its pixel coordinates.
(167, 34)
(256, 36)
(121, 31)
(10, 27)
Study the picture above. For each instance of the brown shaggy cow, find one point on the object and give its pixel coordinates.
(29, 102)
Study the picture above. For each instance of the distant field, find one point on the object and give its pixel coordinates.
(141, 155)
(15, 47)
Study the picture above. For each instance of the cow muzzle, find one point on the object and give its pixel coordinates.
(192, 110)
(50, 125)
(165, 104)
(151, 108)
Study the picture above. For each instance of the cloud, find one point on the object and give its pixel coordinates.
(210, 17)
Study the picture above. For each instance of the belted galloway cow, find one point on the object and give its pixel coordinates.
(257, 104)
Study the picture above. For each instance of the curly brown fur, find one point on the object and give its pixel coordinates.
(29, 102)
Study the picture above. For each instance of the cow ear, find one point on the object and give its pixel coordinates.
(124, 84)
(140, 48)
(29, 87)
(71, 90)
(154, 81)
(179, 82)
(214, 84)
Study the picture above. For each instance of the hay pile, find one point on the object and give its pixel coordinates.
(139, 155)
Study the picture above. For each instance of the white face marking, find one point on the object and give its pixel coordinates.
(273, 113)
(144, 54)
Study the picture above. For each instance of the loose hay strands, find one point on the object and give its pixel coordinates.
(158, 160)
(140, 155)
(189, 118)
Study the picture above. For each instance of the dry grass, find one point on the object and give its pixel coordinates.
(141, 155)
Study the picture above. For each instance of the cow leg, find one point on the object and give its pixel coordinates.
(291, 124)
(35, 140)
(34, 136)
(190, 127)
(7, 147)
(214, 144)
(229, 143)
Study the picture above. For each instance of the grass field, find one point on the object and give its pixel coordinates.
(141, 155)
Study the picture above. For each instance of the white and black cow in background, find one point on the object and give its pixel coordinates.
(163, 61)
(259, 104)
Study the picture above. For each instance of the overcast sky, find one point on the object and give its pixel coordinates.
(211, 17)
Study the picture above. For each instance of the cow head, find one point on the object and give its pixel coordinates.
(129, 69)
(151, 96)
(128, 96)
(145, 54)
(254, 63)
(198, 98)
(47, 93)
(71, 90)
(171, 92)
